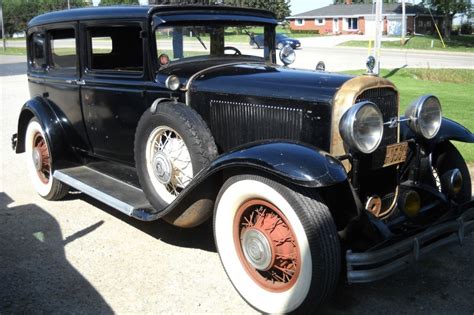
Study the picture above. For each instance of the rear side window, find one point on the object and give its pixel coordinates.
(37, 51)
(63, 50)
(117, 48)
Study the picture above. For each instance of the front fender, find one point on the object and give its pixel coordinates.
(293, 162)
(450, 130)
(62, 153)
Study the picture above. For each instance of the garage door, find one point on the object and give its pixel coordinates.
(370, 27)
(395, 27)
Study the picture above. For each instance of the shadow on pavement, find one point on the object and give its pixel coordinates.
(7, 69)
(35, 274)
(200, 237)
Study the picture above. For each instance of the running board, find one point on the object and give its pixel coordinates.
(117, 194)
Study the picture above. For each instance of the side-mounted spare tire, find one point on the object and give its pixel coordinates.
(171, 146)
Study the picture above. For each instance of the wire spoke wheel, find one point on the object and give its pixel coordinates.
(41, 158)
(266, 245)
(169, 162)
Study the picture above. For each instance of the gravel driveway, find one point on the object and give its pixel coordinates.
(79, 256)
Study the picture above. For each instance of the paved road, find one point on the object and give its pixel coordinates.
(79, 256)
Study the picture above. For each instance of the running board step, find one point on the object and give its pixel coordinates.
(111, 191)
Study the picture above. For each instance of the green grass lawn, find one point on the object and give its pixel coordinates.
(13, 51)
(463, 43)
(454, 88)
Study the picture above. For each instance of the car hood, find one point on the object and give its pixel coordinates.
(274, 81)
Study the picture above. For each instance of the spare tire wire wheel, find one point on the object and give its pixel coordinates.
(168, 161)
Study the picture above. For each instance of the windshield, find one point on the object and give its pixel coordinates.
(179, 43)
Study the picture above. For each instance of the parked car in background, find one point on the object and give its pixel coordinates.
(281, 40)
(306, 175)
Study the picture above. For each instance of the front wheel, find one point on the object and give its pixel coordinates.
(278, 246)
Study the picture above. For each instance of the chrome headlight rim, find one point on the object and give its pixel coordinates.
(347, 127)
(414, 113)
(173, 83)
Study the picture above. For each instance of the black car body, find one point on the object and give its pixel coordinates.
(281, 41)
(149, 111)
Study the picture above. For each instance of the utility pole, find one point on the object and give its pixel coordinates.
(404, 22)
(378, 34)
(68, 5)
(3, 27)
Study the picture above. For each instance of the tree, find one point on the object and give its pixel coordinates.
(364, 1)
(118, 2)
(17, 13)
(448, 8)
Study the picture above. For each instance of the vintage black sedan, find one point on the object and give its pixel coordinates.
(307, 175)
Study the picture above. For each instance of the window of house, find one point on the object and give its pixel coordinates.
(352, 23)
(115, 48)
(319, 21)
(37, 51)
(63, 50)
(299, 22)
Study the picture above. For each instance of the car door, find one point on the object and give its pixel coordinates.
(113, 94)
(61, 81)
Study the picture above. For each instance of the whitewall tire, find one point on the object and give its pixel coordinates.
(39, 163)
(280, 248)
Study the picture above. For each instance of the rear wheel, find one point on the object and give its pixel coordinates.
(279, 247)
(39, 163)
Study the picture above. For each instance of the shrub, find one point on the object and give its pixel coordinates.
(466, 29)
(316, 32)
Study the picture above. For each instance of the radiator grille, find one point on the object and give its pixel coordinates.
(387, 101)
(236, 123)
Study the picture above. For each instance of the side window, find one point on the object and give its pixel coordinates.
(63, 50)
(117, 48)
(37, 51)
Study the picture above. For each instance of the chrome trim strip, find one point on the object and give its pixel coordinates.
(94, 193)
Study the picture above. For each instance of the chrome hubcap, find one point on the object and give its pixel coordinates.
(257, 250)
(37, 161)
(163, 168)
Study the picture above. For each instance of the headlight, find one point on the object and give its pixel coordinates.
(425, 116)
(172, 83)
(361, 127)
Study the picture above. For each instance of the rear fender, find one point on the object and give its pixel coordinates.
(61, 151)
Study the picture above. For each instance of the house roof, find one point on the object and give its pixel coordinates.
(358, 9)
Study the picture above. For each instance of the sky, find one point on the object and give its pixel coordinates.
(299, 6)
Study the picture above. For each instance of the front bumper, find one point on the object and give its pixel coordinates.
(378, 264)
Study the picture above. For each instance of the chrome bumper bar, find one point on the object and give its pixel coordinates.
(376, 265)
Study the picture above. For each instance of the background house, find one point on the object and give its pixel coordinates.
(351, 18)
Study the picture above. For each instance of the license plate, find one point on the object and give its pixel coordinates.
(396, 154)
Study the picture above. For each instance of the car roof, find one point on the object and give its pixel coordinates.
(137, 12)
